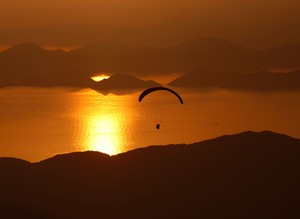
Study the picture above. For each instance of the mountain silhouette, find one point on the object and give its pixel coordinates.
(24, 49)
(281, 57)
(105, 49)
(207, 53)
(30, 65)
(246, 175)
(259, 81)
(211, 53)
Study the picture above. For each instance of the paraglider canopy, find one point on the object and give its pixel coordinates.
(153, 89)
(150, 90)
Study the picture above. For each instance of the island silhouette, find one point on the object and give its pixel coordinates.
(122, 84)
(30, 65)
(258, 81)
(245, 175)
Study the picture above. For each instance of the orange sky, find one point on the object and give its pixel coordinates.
(75, 22)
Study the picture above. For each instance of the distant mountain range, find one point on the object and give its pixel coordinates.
(259, 81)
(246, 175)
(30, 65)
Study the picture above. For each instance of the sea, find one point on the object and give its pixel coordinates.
(39, 123)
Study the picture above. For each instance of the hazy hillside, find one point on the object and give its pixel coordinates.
(247, 175)
(259, 81)
(105, 49)
(281, 57)
(30, 65)
(209, 53)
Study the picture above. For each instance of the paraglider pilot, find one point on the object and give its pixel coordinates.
(152, 89)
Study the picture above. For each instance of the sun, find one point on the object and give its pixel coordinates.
(101, 77)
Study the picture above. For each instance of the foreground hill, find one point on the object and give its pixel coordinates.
(247, 175)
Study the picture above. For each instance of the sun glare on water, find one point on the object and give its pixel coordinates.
(100, 77)
(104, 135)
(102, 126)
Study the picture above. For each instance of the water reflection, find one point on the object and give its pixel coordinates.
(103, 126)
(37, 123)
(102, 134)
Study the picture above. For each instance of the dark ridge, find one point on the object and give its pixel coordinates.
(14, 163)
(245, 175)
(248, 136)
(76, 159)
(248, 140)
(11, 160)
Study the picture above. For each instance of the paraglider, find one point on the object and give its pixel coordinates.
(150, 90)
(153, 89)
